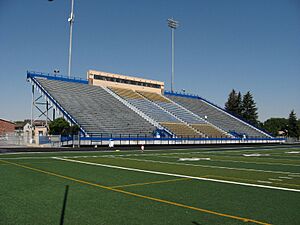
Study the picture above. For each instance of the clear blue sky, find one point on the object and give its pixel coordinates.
(220, 45)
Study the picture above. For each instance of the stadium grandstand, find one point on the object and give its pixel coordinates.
(132, 110)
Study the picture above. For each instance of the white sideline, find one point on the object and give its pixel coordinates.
(178, 175)
(184, 164)
(208, 166)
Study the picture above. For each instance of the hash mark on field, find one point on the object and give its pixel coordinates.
(264, 181)
(274, 179)
(286, 178)
(294, 175)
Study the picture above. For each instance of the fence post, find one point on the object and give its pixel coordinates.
(129, 139)
(79, 140)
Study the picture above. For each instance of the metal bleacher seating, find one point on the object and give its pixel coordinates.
(168, 105)
(95, 110)
(193, 120)
(163, 117)
(216, 116)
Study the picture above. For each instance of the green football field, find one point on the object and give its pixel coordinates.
(204, 186)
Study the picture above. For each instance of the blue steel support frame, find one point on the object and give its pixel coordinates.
(31, 76)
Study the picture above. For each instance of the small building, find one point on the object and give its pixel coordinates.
(38, 132)
(6, 127)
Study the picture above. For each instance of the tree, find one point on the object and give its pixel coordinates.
(293, 128)
(59, 126)
(74, 129)
(233, 104)
(239, 104)
(249, 109)
(274, 125)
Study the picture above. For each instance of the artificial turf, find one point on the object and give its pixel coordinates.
(31, 196)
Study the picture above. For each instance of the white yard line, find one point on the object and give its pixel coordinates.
(178, 175)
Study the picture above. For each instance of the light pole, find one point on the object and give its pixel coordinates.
(173, 24)
(71, 21)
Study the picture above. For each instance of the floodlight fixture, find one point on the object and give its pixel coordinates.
(173, 23)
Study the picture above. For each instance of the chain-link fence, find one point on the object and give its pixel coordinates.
(13, 139)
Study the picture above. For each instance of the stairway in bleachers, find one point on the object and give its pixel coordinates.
(163, 117)
(96, 111)
(193, 120)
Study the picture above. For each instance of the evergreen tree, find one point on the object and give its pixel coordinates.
(239, 104)
(233, 103)
(249, 110)
(293, 128)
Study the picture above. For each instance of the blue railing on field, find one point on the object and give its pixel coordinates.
(56, 77)
(185, 95)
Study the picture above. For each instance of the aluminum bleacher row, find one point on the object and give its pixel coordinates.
(155, 112)
(217, 116)
(178, 120)
(106, 111)
(194, 121)
(95, 110)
